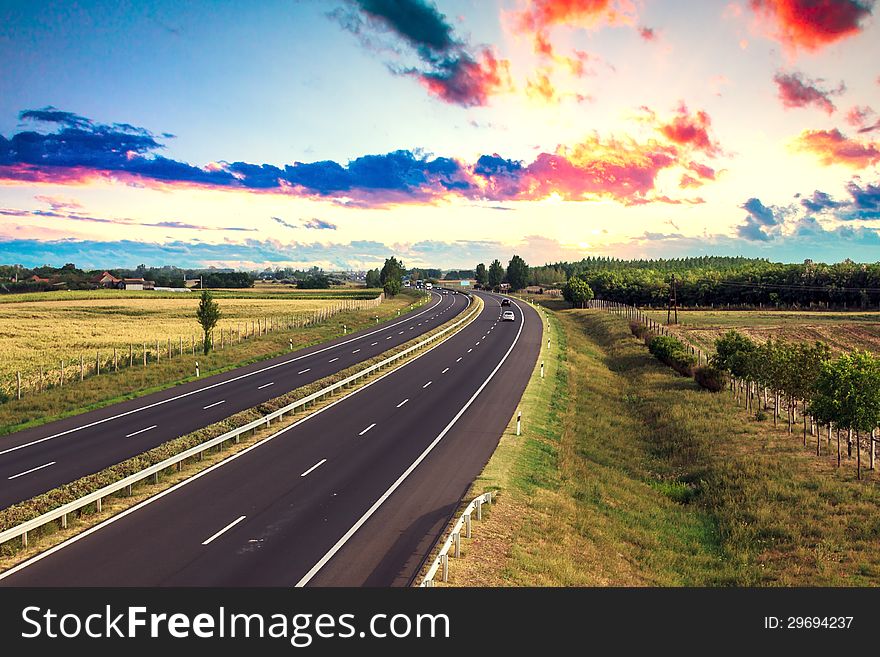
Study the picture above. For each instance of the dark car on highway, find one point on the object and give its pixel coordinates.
(505, 302)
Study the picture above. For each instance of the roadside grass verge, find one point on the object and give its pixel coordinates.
(12, 553)
(130, 382)
(628, 474)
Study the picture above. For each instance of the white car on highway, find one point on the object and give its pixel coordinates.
(508, 316)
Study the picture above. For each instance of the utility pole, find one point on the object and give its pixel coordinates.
(672, 306)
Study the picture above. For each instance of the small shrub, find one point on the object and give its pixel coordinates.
(673, 352)
(760, 415)
(711, 378)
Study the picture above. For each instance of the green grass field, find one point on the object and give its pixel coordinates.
(75, 396)
(628, 474)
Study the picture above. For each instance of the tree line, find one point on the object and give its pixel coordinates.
(720, 281)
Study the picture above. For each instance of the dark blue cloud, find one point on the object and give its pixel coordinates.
(760, 213)
(319, 224)
(758, 219)
(865, 200)
(820, 202)
(79, 145)
(449, 67)
(752, 231)
(419, 23)
(494, 165)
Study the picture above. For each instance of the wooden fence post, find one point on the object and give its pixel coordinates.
(18, 383)
(82, 368)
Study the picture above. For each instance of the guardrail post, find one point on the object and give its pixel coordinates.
(24, 539)
(467, 525)
(179, 466)
(479, 505)
(98, 505)
(237, 438)
(456, 539)
(64, 521)
(155, 478)
(444, 562)
(128, 490)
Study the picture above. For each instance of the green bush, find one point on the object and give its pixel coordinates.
(711, 378)
(673, 352)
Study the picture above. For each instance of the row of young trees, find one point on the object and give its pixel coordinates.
(841, 393)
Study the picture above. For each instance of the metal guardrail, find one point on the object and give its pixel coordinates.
(153, 471)
(441, 562)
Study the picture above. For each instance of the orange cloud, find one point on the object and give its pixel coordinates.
(690, 130)
(833, 147)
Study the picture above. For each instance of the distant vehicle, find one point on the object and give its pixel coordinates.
(429, 286)
(406, 284)
(508, 316)
(505, 302)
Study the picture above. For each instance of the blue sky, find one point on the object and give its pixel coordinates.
(339, 132)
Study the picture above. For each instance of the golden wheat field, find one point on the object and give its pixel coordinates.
(43, 333)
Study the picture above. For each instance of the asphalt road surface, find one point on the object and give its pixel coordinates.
(39, 459)
(353, 495)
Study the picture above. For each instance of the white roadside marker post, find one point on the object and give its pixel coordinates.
(518, 422)
(197, 369)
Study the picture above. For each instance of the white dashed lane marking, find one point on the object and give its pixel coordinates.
(265, 385)
(314, 467)
(225, 529)
(39, 467)
(205, 408)
(426, 385)
(403, 402)
(367, 429)
(129, 435)
(445, 371)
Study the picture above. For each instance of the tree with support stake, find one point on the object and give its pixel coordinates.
(208, 315)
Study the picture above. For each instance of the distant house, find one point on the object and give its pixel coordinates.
(136, 284)
(37, 279)
(105, 280)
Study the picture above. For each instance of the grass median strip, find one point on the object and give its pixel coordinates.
(12, 553)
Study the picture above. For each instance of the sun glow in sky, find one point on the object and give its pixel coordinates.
(447, 132)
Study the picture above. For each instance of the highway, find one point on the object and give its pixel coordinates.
(39, 459)
(353, 495)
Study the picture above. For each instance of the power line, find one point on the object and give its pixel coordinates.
(788, 286)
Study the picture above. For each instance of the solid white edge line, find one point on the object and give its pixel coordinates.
(205, 408)
(367, 429)
(39, 467)
(342, 541)
(129, 435)
(119, 516)
(225, 529)
(219, 383)
(317, 465)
